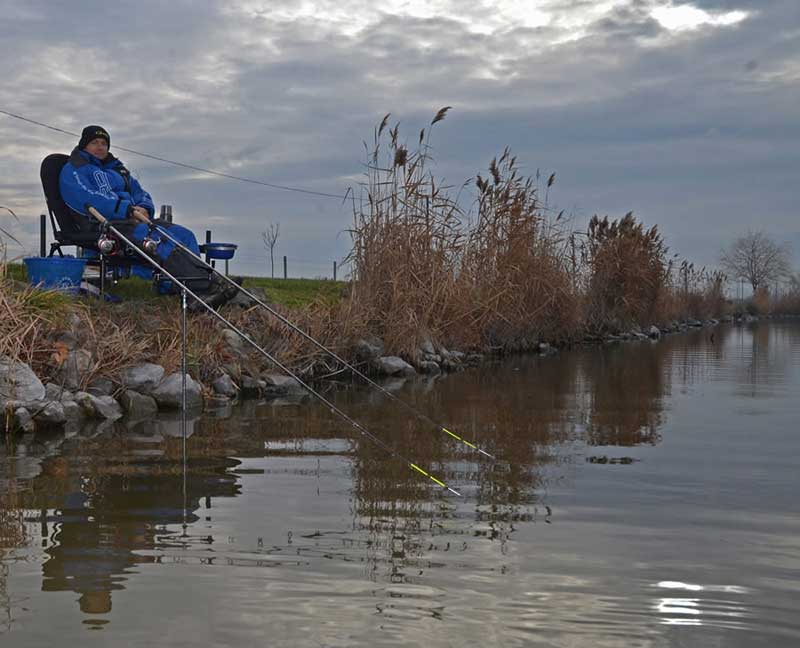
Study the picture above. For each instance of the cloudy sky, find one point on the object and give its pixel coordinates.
(686, 113)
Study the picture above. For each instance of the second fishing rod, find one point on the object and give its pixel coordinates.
(319, 345)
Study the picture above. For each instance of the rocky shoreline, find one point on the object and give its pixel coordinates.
(143, 390)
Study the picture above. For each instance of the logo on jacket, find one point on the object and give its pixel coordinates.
(103, 185)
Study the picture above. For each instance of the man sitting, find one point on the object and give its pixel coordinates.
(94, 177)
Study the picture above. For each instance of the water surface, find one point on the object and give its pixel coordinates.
(645, 494)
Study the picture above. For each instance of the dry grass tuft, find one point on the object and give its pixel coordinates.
(423, 266)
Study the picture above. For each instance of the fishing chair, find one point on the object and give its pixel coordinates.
(71, 228)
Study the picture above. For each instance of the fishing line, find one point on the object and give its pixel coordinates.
(192, 167)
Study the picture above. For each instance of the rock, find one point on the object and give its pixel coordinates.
(53, 392)
(18, 382)
(225, 386)
(68, 339)
(430, 368)
(217, 401)
(74, 321)
(101, 387)
(251, 387)
(105, 407)
(142, 378)
(72, 411)
(451, 365)
(23, 421)
(75, 368)
(85, 402)
(393, 366)
(168, 393)
(281, 385)
(654, 332)
(243, 301)
(455, 356)
(432, 357)
(474, 359)
(368, 349)
(138, 406)
(49, 415)
(426, 346)
(233, 340)
(544, 348)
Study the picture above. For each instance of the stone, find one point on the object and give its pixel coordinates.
(451, 365)
(105, 407)
(168, 393)
(430, 368)
(23, 420)
(432, 357)
(243, 301)
(225, 386)
(426, 346)
(142, 378)
(54, 392)
(74, 321)
(68, 339)
(101, 387)
(251, 387)
(474, 359)
(217, 401)
(51, 414)
(72, 411)
(654, 332)
(281, 380)
(233, 340)
(456, 356)
(85, 402)
(75, 368)
(18, 382)
(368, 349)
(393, 366)
(138, 406)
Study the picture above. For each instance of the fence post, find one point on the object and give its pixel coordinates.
(42, 235)
(285, 275)
(334, 270)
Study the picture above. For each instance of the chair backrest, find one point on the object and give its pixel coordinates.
(69, 222)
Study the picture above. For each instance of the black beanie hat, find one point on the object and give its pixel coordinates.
(93, 132)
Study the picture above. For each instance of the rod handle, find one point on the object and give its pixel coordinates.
(96, 214)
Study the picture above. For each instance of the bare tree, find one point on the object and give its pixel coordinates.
(270, 237)
(757, 259)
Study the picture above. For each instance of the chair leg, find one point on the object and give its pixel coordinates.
(102, 275)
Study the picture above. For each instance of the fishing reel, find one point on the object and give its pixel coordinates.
(106, 245)
(150, 246)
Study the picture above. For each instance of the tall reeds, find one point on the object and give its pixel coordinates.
(493, 275)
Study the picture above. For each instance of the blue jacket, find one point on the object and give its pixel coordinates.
(105, 185)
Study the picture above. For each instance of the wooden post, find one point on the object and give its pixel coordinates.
(334, 270)
(285, 275)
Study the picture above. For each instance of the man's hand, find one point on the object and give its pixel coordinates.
(141, 214)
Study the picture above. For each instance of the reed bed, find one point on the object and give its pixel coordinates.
(492, 276)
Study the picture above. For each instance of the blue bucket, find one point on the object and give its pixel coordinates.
(56, 273)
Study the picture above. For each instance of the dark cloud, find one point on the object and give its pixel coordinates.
(696, 131)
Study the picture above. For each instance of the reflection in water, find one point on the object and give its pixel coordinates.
(283, 487)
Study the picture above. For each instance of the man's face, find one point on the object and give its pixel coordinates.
(97, 147)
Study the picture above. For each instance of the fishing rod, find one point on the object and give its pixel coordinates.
(321, 346)
(106, 225)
